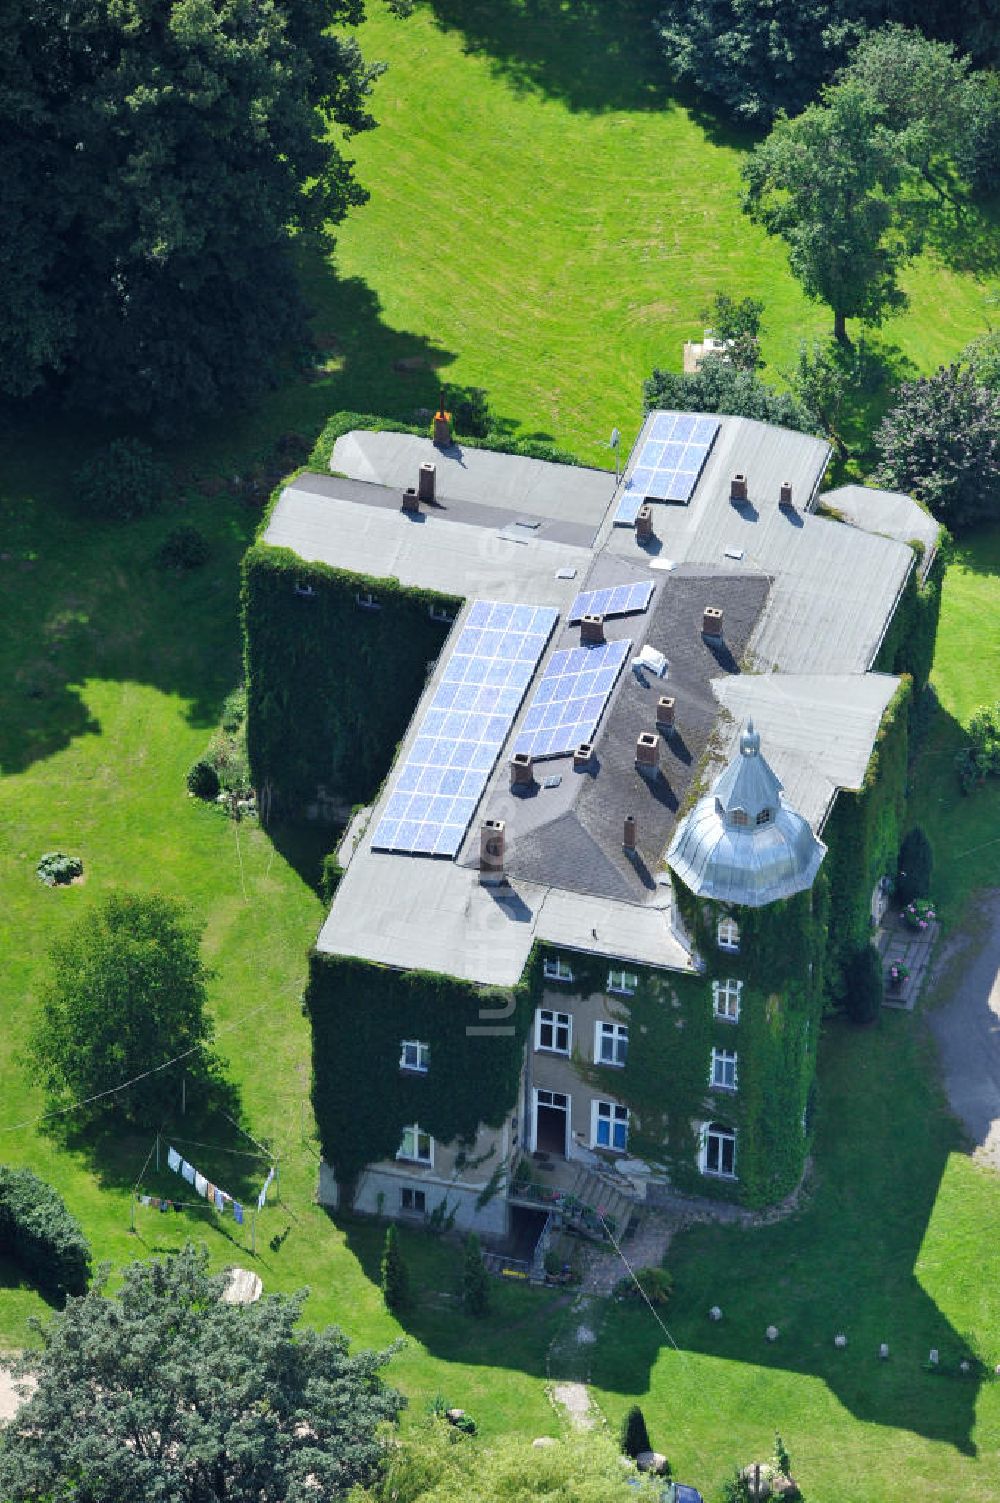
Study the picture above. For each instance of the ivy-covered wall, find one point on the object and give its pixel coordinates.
(330, 686)
(908, 645)
(863, 835)
(672, 1030)
(360, 1015)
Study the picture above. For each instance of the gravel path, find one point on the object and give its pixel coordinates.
(967, 1028)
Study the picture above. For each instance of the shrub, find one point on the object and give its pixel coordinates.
(634, 1435)
(234, 709)
(395, 1279)
(122, 481)
(655, 1284)
(916, 865)
(981, 757)
(40, 1235)
(330, 876)
(475, 1279)
(203, 780)
(918, 914)
(184, 548)
(865, 986)
(57, 870)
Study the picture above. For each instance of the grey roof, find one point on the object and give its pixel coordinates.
(834, 587)
(771, 853)
(890, 513)
(516, 485)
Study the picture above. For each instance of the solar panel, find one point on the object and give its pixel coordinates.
(628, 508)
(442, 777)
(671, 459)
(570, 699)
(616, 600)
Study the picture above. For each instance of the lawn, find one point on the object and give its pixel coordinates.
(546, 222)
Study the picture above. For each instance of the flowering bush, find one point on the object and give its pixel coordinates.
(918, 914)
(898, 971)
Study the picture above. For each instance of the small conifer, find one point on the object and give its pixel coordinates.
(395, 1280)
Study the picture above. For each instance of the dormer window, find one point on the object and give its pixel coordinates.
(738, 817)
(764, 817)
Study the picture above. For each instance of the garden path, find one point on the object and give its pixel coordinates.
(967, 1030)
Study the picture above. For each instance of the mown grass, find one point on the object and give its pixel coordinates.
(546, 221)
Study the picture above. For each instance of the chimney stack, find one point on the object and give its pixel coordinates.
(665, 712)
(582, 757)
(711, 622)
(411, 501)
(644, 524)
(647, 754)
(592, 629)
(522, 772)
(426, 481)
(785, 495)
(630, 835)
(491, 850)
(442, 425)
(738, 488)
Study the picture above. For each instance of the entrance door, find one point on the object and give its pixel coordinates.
(551, 1122)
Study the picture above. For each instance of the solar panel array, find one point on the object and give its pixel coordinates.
(570, 699)
(672, 457)
(463, 728)
(616, 600)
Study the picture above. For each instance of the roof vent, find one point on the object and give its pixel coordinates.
(491, 850)
(426, 481)
(785, 495)
(630, 835)
(582, 757)
(665, 712)
(647, 754)
(411, 501)
(592, 629)
(711, 622)
(644, 524)
(738, 488)
(522, 772)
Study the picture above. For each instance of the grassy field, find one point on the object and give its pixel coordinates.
(545, 222)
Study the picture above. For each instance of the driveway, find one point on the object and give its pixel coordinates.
(967, 1030)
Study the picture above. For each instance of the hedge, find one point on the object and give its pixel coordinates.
(40, 1235)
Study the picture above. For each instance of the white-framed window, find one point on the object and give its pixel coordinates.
(413, 1201)
(723, 1069)
(414, 1055)
(366, 601)
(622, 982)
(718, 1153)
(610, 1043)
(417, 1145)
(440, 613)
(764, 817)
(728, 935)
(609, 1126)
(738, 817)
(726, 999)
(553, 1030)
(554, 968)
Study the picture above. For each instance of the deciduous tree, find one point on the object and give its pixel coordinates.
(719, 386)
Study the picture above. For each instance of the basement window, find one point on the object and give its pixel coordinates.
(413, 1202)
(415, 1056)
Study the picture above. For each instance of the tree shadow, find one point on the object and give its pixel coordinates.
(303, 847)
(967, 240)
(593, 55)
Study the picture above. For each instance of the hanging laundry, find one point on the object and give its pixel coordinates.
(177, 1206)
(220, 1201)
(187, 1171)
(238, 1213)
(210, 1193)
(173, 1160)
(200, 1183)
(144, 1199)
(164, 1205)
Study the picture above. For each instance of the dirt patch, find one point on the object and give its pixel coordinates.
(10, 1399)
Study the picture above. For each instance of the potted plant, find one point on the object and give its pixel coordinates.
(898, 973)
(918, 914)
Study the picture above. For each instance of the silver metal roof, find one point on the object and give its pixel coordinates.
(770, 853)
(887, 512)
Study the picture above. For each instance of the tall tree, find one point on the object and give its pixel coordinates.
(126, 994)
(156, 157)
(828, 183)
(165, 1392)
(737, 323)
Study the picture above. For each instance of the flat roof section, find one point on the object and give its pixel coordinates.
(890, 513)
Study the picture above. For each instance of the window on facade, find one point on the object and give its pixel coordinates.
(553, 1030)
(723, 1071)
(554, 968)
(413, 1200)
(764, 817)
(417, 1145)
(726, 999)
(720, 1151)
(729, 935)
(624, 982)
(440, 613)
(610, 1126)
(738, 817)
(415, 1056)
(366, 600)
(611, 1043)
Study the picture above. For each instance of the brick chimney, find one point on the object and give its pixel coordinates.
(426, 481)
(644, 524)
(630, 835)
(411, 501)
(785, 495)
(738, 488)
(491, 850)
(522, 772)
(711, 622)
(583, 757)
(647, 754)
(592, 629)
(665, 712)
(442, 425)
